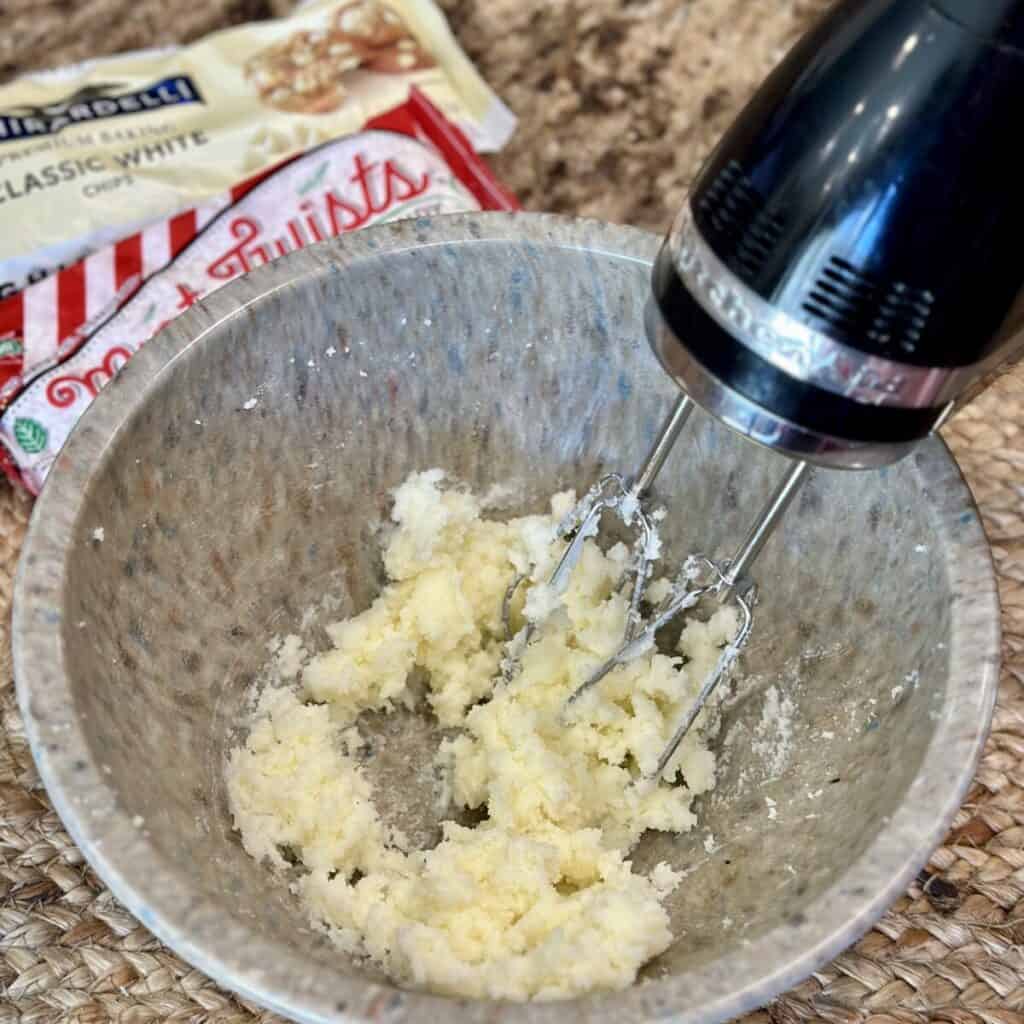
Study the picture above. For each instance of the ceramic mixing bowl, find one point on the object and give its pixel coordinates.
(235, 473)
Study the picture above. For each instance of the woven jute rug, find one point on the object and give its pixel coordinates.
(618, 100)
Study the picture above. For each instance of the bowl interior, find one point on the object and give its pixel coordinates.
(240, 498)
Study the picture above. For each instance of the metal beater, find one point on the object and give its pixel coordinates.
(845, 274)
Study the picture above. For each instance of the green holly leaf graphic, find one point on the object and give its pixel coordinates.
(30, 435)
(10, 347)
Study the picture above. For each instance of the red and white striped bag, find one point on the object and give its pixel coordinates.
(62, 339)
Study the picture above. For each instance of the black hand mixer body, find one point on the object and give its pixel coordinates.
(846, 271)
(849, 262)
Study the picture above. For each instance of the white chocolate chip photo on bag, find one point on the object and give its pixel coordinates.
(385, 41)
(307, 72)
(374, 24)
(304, 74)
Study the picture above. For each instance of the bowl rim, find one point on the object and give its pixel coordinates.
(155, 890)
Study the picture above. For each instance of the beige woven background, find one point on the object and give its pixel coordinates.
(618, 102)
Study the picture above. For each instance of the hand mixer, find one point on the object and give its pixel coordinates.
(845, 274)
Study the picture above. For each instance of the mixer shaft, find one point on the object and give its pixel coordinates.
(763, 527)
(663, 444)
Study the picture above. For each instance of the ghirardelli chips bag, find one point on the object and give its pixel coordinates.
(93, 153)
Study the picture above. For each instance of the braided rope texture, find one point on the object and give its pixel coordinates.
(618, 104)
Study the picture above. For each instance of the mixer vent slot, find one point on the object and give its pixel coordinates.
(735, 221)
(855, 306)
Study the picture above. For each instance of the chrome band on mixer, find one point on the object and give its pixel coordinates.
(759, 424)
(805, 354)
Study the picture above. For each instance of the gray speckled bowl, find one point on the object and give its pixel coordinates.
(237, 468)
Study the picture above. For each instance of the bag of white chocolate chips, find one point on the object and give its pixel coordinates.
(164, 176)
(90, 153)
